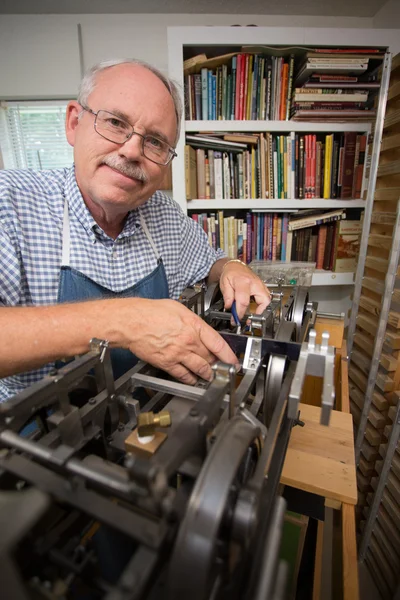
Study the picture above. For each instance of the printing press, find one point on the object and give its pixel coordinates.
(187, 476)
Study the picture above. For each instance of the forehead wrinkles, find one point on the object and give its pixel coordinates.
(139, 95)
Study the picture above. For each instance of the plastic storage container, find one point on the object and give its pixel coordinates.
(279, 273)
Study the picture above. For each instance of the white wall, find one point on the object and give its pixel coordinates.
(40, 57)
(388, 16)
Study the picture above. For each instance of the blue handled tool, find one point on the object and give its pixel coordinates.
(235, 317)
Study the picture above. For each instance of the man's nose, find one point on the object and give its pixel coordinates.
(132, 149)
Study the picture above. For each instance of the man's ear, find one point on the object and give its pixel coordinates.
(71, 121)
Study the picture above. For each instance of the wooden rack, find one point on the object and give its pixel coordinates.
(374, 368)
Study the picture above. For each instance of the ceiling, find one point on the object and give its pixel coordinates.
(327, 8)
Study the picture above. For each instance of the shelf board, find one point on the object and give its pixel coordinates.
(321, 277)
(283, 126)
(273, 204)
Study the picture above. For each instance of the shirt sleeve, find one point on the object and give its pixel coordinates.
(197, 256)
(10, 271)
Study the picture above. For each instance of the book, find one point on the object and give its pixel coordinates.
(329, 84)
(320, 96)
(190, 173)
(214, 143)
(347, 247)
(317, 219)
(333, 115)
(349, 151)
(334, 68)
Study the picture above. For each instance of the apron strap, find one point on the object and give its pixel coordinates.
(147, 234)
(65, 237)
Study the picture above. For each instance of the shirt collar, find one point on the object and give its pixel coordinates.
(78, 208)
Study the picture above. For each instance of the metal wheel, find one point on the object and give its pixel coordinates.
(276, 371)
(199, 560)
(299, 309)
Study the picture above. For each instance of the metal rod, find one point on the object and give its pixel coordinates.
(390, 281)
(171, 387)
(392, 445)
(373, 172)
(271, 552)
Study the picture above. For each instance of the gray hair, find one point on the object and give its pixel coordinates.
(88, 84)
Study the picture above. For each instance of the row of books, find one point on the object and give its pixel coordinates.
(275, 166)
(328, 239)
(334, 87)
(253, 85)
(247, 87)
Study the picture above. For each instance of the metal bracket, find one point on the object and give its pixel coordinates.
(252, 355)
(318, 360)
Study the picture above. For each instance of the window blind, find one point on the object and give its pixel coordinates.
(32, 135)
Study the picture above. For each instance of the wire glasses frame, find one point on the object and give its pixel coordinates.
(114, 129)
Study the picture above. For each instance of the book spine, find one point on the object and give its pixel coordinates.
(349, 151)
(289, 87)
(204, 94)
(301, 168)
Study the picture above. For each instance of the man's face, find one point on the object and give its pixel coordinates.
(137, 95)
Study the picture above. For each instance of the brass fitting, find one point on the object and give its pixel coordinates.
(148, 421)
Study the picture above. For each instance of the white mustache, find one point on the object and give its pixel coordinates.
(126, 168)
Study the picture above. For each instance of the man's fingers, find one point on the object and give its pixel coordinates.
(217, 345)
(263, 299)
(182, 374)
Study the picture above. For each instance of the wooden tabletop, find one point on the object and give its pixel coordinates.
(320, 459)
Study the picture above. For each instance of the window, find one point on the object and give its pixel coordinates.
(32, 135)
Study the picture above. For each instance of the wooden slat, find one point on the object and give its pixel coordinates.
(392, 413)
(391, 142)
(395, 65)
(380, 241)
(363, 482)
(382, 563)
(370, 305)
(320, 459)
(394, 319)
(384, 218)
(392, 120)
(377, 576)
(349, 555)
(368, 323)
(392, 339)
(361, 360)
(366, 468)
(389, 527)
(370, 452)
(386, 547)
(372, 435)
(317, 583)
(391, 507)
(393, 485)
(390, 168)
(387, 193)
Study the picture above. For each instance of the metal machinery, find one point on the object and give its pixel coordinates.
(202, 512)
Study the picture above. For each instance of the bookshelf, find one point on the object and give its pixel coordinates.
(189, 41)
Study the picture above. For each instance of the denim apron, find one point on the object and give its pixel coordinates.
(76, 287)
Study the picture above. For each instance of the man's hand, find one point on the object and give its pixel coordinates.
(163, 332)
(175, 339)
(238, 282)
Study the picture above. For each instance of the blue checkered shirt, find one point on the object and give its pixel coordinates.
(31, 217)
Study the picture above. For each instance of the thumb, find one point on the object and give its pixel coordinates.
(228, 293)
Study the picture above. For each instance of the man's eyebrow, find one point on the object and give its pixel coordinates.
(154, 132)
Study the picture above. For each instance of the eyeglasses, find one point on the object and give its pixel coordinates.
(116, 130)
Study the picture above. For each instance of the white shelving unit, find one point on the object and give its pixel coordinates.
(231, 39)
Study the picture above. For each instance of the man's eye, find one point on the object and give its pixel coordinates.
(116, 123)
(155, 142)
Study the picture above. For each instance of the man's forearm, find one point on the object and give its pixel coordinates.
(216, 270)
(33, 336)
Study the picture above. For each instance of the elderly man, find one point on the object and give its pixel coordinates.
(96, 251)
